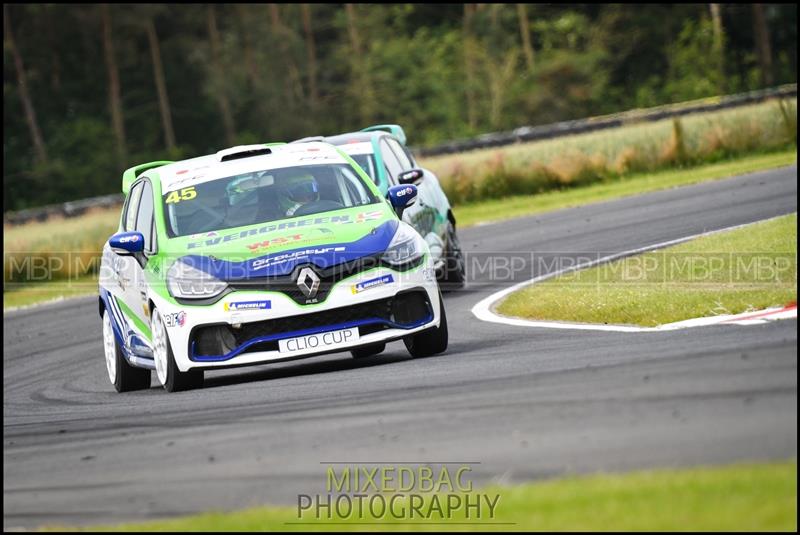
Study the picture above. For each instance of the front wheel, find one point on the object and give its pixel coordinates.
(431, 341)
(454, 272)
(170, 377)
(122, 375)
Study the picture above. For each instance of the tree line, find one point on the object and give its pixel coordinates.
(92, 89)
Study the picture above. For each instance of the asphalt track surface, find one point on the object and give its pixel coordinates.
(524, 403)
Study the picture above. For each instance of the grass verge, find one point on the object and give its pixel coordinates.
(741, 497)
(520, 205)
(26, 294)
(609, 155)
(750, 268)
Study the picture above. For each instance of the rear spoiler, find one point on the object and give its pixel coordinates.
(395, 129)
(130, 175)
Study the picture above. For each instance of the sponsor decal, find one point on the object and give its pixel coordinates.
(247, 305)
(361, 217)
(260, 246)
(428, 274)
(312, 341)
(404, 192)
(262, 263)
(175, 319)
(133, 238)
(321, 157)
(367, 216)
(372, 283)
(184, 176)
(203, 235)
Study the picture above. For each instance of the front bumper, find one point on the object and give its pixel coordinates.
(219, 336)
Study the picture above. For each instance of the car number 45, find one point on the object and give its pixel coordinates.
(186, 194)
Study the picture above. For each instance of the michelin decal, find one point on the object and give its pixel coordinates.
(372, 283)
(248, 305)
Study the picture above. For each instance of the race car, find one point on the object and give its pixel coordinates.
(381, 151)
(261, 253)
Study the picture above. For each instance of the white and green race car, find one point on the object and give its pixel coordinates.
(256, 254)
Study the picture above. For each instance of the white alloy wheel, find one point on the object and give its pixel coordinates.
(110, 346)
(159, 345)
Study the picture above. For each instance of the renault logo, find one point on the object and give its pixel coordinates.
(308, 282)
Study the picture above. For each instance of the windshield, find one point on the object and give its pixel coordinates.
(262, 196)
(367, 163)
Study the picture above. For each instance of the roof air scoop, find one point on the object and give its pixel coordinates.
(242, 151)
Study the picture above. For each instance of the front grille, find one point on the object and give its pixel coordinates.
(287, 284)
(375, 309)
(406, 308)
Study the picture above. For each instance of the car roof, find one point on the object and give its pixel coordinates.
(353, 137)
(193, 171)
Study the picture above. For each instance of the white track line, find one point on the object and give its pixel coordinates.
(483, 309)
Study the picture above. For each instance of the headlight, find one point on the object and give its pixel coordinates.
(405, 248)
(186, 282)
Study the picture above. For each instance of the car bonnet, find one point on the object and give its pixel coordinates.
(277, 247)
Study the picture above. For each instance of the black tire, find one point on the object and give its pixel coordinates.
(454, 272)
(431, 341)
(130, 378)
(178, 381)
(368, 351)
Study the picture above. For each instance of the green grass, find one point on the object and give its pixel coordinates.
(521, 205)
(751, 268)
(69, 247)
(647, 137)
(63, 234)
(26, 294)
(741, 497)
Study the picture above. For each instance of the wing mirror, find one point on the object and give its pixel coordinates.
(401, 197)
(127, 243)
(412, 176)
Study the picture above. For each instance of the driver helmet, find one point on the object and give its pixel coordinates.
(298, 190)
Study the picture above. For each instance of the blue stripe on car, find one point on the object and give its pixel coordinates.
(116, 326)
(283, 263)
(119, 326)
(123, 323)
